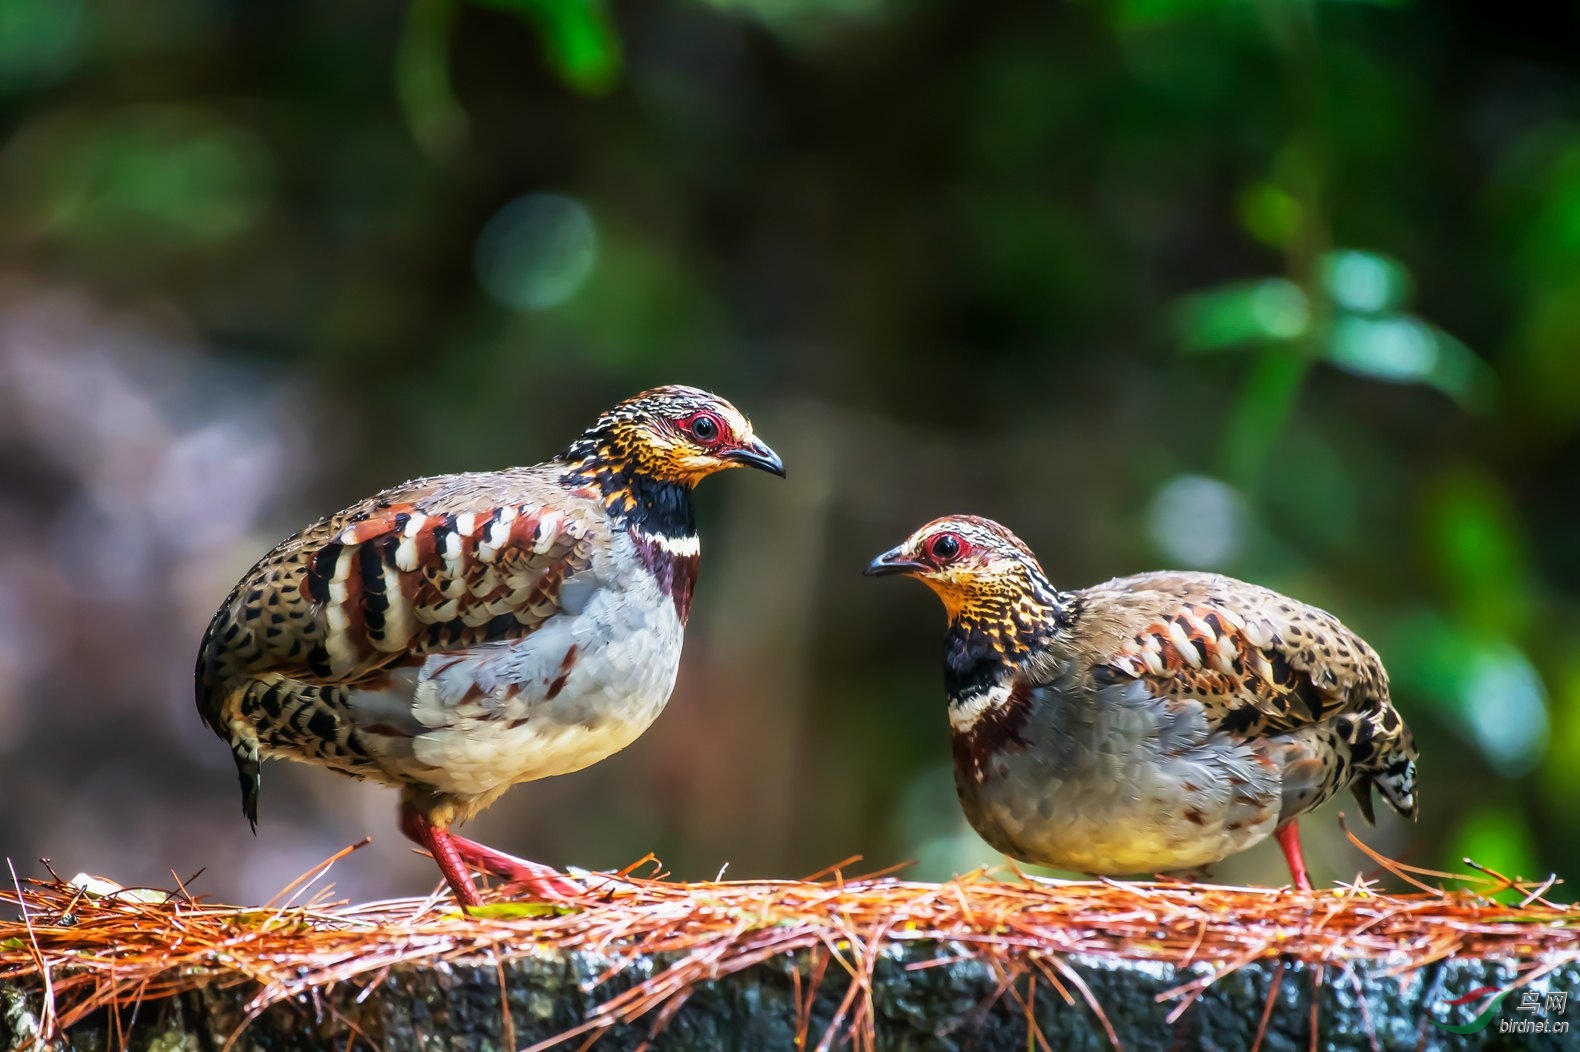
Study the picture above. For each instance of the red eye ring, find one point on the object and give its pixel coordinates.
(706, 428)
(946, 548)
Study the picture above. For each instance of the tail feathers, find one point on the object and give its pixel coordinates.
(1396, 782)
(248, 772)
(1362, 788)
(1395, 779)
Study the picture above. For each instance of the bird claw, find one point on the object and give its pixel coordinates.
(522, 877)
(574, 885)
(459, 857)
(543, 885)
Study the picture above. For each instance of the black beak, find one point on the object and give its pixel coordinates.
(892, 562)
(756, 455)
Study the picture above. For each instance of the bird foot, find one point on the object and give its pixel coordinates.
(522, 877)
(457, 856)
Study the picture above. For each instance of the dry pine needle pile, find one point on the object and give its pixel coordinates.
(83, 948)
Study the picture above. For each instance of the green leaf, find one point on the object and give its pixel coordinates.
(1401, 348)
(579, 40)
(422, 76)
(518, 910)
(1365, 282)
(1270, 213)
(1243, 315)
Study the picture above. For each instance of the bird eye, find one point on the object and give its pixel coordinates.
(705, 428)
(945, 547)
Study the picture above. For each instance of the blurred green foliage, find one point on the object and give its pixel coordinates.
(1305, 272)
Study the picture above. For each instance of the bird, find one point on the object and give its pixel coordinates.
(459, 634)
(1152, 723)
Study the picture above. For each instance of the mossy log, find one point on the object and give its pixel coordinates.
(924, 996)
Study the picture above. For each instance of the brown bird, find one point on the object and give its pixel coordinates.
(1151, 723)
(456, 635)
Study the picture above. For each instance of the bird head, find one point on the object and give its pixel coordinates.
(979, 569)
(675, 435)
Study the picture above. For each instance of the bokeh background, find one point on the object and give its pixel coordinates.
(1288, 289)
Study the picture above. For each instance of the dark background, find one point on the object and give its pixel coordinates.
(1289, 290)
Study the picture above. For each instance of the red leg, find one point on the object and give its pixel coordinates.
(454, 853)
(1289, 839)
(442, 846)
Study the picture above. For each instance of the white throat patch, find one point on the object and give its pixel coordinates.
(963, 715)
(683, 547)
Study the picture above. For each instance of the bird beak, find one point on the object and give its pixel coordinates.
(892, 562)
(757, 455)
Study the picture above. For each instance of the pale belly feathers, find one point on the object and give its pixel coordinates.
(1122, 785)
(582, 687)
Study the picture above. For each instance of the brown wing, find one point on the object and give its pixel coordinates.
(436, 565)
(1263, 666)
(1260, 662)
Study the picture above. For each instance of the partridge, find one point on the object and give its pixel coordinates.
(456, 635)
(1151, 723)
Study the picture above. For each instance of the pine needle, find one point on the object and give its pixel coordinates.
(81, 952)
